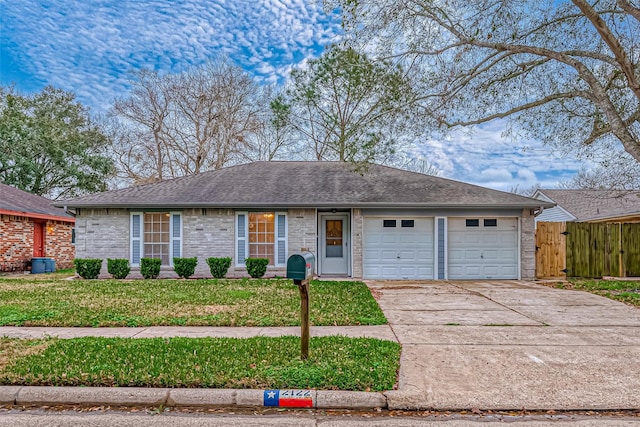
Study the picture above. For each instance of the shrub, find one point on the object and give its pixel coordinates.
(118, 268)
(88, 268)
(219, 266)
(150, 267)
(256, 267)
(185, 267)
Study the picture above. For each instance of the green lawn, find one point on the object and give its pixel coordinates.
(627, 291)
(247, 302)
(338, 363)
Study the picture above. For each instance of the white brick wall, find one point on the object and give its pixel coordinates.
(303, 230)
(527, 246)
(102, 233)
(357, 225)
(208, 233)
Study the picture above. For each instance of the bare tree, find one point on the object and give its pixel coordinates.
(622, 173)
(141, 140)
(176, 125)
(566, 72)
(414, 163)
(275, 138)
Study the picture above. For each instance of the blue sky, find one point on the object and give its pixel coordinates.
(90, 47)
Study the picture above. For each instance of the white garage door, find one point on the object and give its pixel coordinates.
(483, 248)
(398, 248)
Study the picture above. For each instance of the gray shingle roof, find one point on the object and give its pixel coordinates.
(19, 201)
(588, 205)
(304, 184)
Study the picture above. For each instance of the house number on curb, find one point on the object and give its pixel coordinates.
(288, 398)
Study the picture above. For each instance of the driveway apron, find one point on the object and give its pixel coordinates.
(511, 345)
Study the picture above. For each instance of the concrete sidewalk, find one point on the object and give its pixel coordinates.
(382, 332)
(511, 344)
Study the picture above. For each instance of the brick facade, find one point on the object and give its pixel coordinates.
(208, 233)
(357, 229)
(104, 233)
(16, 242)
(527, 246)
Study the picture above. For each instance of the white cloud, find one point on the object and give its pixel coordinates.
(483, 156)
(90, 47)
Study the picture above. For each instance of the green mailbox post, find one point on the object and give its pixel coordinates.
(300, 268)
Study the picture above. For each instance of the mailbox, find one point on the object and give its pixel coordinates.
(301, 266)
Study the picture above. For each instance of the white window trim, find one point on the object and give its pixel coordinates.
(173, 239)
(436, 258)
(246, 237)
(281, 240)
(276, 243)
(141, 238)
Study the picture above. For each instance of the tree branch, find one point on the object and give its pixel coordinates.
(519, 108)
(629, 8)
(613, 43)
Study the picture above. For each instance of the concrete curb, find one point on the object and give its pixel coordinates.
(136, 396)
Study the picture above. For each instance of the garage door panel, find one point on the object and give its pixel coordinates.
(388, 238)
(398, 252)
(410, 239)
(491, 255)
(389, 256)
(483, 252)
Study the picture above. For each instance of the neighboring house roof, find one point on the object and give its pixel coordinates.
(305, 184)
(22, 203)
(591, 205)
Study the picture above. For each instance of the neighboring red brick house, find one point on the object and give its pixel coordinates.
(30, 227)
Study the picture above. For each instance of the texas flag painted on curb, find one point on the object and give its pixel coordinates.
(288, 398)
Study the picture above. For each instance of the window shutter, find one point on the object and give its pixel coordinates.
(176, 236)
(136, 238)
(241, 238)
(281, 239)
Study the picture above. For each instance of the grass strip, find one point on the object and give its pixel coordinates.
(269, 302)
(627, 291)
(335, 363)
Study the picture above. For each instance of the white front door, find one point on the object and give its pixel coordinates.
(483, 248)
(334, 248)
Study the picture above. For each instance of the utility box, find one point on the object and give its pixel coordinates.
(301, 266)
(38, 265)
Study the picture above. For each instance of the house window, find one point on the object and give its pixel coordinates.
(473, 223)
(261, 235)
(388, 223)
(156, 235)
(407, 223)
(491, 222)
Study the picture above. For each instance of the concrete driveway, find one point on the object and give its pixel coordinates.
(511, 345)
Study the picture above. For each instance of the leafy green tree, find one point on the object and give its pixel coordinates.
(49, 145)
(563, 71)
(348, 107)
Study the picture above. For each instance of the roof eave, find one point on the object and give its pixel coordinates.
(35, 215)
(312, 205)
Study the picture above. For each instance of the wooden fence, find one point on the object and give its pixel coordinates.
(581, 249)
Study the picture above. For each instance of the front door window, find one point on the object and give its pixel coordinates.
(334, 238)
(334, 244)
